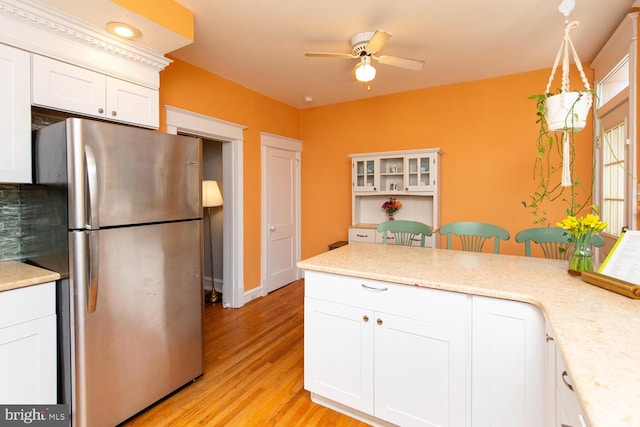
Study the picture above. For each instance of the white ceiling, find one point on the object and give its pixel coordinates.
(261, 44)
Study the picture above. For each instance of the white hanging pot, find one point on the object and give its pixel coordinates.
(567, 110)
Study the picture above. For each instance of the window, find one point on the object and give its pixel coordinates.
(614, 177)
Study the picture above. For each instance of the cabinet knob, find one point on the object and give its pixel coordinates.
(365, 318)
(379, 321)
(100, 110)
(113, 113)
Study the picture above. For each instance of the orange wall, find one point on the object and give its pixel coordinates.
(193, 89)
(487, 132)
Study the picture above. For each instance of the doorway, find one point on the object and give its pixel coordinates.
(232, 137)
(280, 211)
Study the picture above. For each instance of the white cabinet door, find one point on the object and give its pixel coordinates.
(338, 353)
(131, 103)
(15, 116)
(61, 86)
(508, 364)
(569, 410)
(28, 345)
(421, 172)
(365, 174)
(420, 372)
(65, 87)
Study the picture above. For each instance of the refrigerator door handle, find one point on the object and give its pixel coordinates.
(92, 292)
(92, 183)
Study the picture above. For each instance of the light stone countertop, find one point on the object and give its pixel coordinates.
(14, 275)
(595, 330)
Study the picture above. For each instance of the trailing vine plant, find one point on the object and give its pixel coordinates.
(546, 166)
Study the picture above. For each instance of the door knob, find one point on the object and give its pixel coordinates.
(272, 228)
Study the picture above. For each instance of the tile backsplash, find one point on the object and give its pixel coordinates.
(27, 229)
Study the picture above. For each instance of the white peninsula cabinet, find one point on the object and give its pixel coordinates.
(28, 345)
(15, 115)
(404, 355)
(61, 86)
(387, 353)
(410, 176)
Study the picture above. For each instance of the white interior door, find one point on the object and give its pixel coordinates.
(281, 249)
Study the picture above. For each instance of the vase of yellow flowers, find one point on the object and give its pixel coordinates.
(390, 207)
(580, 231)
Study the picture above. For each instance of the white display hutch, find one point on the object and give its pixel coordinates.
(410, 176)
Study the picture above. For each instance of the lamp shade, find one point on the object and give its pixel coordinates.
(211, 194)
(365, 72)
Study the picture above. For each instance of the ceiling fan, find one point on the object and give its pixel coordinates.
(364, 46)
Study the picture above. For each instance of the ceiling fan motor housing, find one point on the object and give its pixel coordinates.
(359, 43)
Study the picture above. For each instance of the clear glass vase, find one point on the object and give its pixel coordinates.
(580, 258)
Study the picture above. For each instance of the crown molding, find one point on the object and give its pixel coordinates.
(36, 27)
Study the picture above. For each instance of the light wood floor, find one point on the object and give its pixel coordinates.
(253, 373)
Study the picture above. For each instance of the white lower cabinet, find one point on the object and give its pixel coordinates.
(393, 354)
(563, 406)
(28, 345)
(508, 363)
(387, 353)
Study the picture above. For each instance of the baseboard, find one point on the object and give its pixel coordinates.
(253, 294)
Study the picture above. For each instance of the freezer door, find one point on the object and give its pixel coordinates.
(122, 175)
(145, 337)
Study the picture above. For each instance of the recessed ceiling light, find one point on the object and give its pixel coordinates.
(123, 30)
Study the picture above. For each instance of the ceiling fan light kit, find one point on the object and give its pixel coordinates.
(365, 72)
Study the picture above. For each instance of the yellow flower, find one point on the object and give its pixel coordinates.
(582, 229)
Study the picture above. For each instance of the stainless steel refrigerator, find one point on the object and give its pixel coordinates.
(122, 207)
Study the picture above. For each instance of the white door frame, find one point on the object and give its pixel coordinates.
(183, 121)
(287, 144)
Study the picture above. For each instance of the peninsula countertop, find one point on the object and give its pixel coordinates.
(594, 329)
(15, 274)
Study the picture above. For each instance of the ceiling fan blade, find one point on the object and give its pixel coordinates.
(378, 40)
(411, 64)
(330, 55)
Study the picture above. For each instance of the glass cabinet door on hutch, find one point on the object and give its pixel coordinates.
(420, 172)
(365, 174)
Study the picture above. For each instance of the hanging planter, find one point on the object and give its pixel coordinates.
(561, 116)
(567, 111)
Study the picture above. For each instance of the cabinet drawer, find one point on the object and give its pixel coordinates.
(25, 304)
(362, 235)
(432, 305)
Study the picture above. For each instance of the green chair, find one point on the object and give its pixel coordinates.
(473, 235)
(554, 241)
(405, 232)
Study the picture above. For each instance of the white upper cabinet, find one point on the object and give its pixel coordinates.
(365, 174)
(15, 116)
(61, 86)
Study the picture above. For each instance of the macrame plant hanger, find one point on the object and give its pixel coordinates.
(566, 6)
